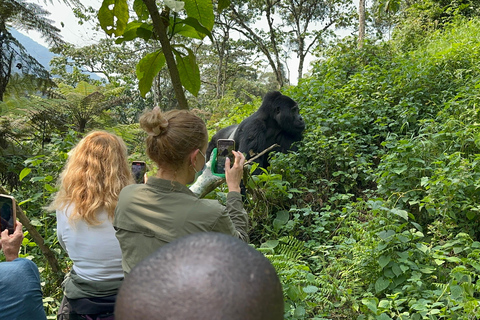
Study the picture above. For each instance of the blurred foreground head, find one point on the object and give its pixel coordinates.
(202, 276)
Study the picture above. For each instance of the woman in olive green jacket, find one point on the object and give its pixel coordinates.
(150, 215)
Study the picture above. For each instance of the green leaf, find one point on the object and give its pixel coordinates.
(396, 269)
(424, 181)
(281, 219)
(400, 213)
(454, 259)
(386, 234)
(141, 10)
(456, 291)
(223, 4)
(113, 16)
(292, 293)
(201, 31)
(36, 223)
(371, 304)
(422, 247)
(147, 69)
(383, 316)
(49, 188)
(384, 304)
(439, 262)
(202, 10)
(381, 284)
(310, 289)
(299, 312)
(189, 71)
(24, 173)
(136, 29)
(400, 170)
(383, 261)
(270, 244)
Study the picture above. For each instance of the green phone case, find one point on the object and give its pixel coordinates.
(214, 164)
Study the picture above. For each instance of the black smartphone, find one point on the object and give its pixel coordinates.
(7, 212)
(224, 150)
(139, 168)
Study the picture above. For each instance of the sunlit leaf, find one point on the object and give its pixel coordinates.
(381, 284)
(189, 71)
(202, 10)
(383, 261)
(24, 173)
(113, 16)
(147, 69)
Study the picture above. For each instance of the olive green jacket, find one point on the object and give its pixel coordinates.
(150, 215)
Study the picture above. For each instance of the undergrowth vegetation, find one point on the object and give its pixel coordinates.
(383, 193)
(377, 215)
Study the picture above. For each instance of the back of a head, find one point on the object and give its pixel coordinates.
(202, 276)
(172, 135)
(96, 171)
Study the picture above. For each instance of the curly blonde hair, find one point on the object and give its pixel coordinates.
(95, 173)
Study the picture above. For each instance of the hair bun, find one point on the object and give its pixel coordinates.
(153, 122)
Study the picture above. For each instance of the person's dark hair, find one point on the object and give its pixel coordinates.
(172, 135)
(202, 276)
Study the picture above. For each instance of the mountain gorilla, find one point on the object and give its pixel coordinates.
(276, 121)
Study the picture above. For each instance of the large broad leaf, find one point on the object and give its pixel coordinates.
(189, 71)
(223, 4)
(141, 10)
(191, 28)
(136, 29)
(147, 69)
(371, 303)
(202, 10)
(113, 16)
(383, 261)
(381, 284)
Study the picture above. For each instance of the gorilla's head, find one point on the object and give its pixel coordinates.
(285, 112)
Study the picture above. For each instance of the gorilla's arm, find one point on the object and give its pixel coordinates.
(251, 137)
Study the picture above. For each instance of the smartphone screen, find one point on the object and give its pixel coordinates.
(224, 150)
(7, 212)
(139, 168)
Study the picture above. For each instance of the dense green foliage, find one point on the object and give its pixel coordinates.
(384, 188)
(375, 217)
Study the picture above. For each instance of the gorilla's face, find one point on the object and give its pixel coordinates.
(287, 115)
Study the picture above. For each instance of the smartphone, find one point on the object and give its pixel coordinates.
(139, 168)
(224, 150)
(7, 212)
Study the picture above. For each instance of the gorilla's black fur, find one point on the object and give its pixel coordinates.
(276, 121)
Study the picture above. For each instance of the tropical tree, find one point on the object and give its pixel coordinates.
(294, 25)
(81, 104)
(13, 56)
(191, 19)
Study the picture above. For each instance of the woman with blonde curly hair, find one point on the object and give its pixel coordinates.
(96, 171)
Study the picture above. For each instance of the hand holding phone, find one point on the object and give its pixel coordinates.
(224, 150)
(11, 243)
(234, 174)
(7, 213)
(139, 169)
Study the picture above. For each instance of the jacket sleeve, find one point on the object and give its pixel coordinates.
(238, 215)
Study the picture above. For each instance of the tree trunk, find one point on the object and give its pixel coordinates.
(361, 23)
(160, 30)
(37, 238)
